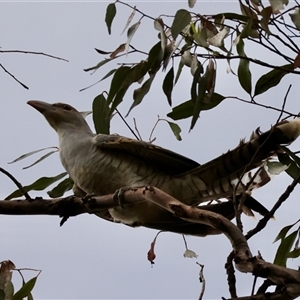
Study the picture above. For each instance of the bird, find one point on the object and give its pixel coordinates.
(101, 164)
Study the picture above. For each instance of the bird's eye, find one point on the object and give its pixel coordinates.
(67, 107)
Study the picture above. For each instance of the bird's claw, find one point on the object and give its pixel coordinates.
(118, 195)
(87, 198)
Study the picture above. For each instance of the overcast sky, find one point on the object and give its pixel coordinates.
(89, 258)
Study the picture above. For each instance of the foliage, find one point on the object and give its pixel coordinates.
(6, 286)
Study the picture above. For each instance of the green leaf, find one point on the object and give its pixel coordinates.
(41, 159)
(182, 111)
(271, 78)
(291, 154)
(294, 254)
(181, 20)
(25, 290)
(139, 94)
(108, 74)
(30, 153)
(244, 74)
(281, 235)
(133, 75)
(195, 83)
(130, 33)
(101, 116)
(186, 109)
(102, 51)
(168, 85)
(199, 101)
(117, 81)
(295, 17)
(284, 248)
(179, 70)
(61, 188)
(100, 64)
(293, 170)
(104, 77)
(110, 14)
(176, 130)
(155, 57)
(38, 185)
(30, 297)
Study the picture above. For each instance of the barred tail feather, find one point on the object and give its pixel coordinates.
(234, 170)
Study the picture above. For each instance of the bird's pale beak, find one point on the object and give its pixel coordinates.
(41, 106)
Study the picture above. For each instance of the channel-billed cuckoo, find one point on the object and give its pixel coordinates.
(102, 164)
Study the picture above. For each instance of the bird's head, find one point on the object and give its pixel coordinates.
(60, 115)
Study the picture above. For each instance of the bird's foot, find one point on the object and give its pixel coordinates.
(88, 197)
(118, 195)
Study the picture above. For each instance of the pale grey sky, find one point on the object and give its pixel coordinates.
(89, 258)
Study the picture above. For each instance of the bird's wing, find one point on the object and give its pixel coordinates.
(169, 161)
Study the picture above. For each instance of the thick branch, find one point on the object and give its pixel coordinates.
(287, 279)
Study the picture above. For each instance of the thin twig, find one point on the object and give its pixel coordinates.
(262, 105)
(263, 222)
(202, 280)
(125, 122)
(17, 183)
(11, 75)
(33, 52)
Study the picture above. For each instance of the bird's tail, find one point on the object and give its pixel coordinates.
(244, 168)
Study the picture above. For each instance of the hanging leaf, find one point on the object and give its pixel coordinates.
(130, 33)
(155, 58)
(281, 235)
(61, 188)
(120, 49)
(179, 70)
(199, 101)
(272, 78)
(284, 248)
(195, 82)
(110, 14)
(168, 85)
(159, 25)
(186, 109)
(293, 170)
(101, 116)
(176, 130)
(102, 51)
(266, 14)
(30, 153)
(139, 94)
(192, 3)
(182, 111)
(41, 159)
(38, 185)
(218, 39)
(25, 290)
(100, 64)
(129, 19)
(295, 17)
(244, 74)
(294, 254)
(104, 77)
(247, 11)
(181, 20)
(278, 5)
(297, 61)
(117, 81)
